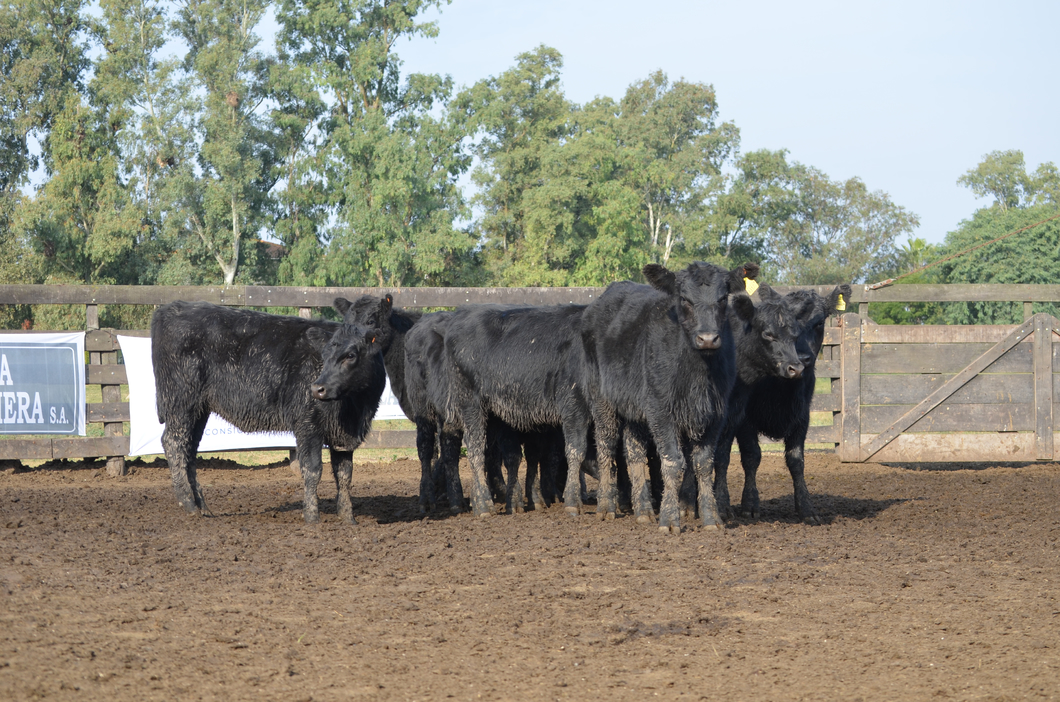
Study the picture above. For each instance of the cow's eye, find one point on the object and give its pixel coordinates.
(768, 336)
(350, 358)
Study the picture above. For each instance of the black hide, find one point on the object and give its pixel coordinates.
(260, 372)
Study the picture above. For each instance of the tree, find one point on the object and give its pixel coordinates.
(812, 230)
(388, 160)
(672, 152)
(223, 205)
(519, 116)
(1020, 199)
(915, 254)
(1003, 176)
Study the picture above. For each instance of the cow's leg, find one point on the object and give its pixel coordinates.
(576, 448)
(180, 441)
(703, 467)
(534, 449)
(750, 458)
(426, 431)
(308, 448)
(511, 454)
(451, 440)
(794, 456)
(342, 470)
(475, 437)
(721, 473)
(637, 465)
(494, 459)
(673, 470)
(689, 493)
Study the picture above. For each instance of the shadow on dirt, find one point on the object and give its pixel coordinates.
(781, 510)
(962, 465)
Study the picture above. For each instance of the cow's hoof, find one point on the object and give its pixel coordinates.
(711, 527)
(673, 529)
(572, 511)
(312, 518)
(644, 519)
(812, 519)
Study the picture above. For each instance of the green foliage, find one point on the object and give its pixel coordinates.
(915, 254)
(1003, 176)
(1030, 257)
(809, 229)
(386, 165)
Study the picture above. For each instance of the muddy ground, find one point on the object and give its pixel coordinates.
(925, 583)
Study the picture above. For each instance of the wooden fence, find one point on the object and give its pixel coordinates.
(899, 393)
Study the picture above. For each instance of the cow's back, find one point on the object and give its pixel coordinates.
(250, 367)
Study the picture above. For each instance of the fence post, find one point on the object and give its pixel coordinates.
(850, 369)
(111, 393)
(1043, 387)
(1028, 310)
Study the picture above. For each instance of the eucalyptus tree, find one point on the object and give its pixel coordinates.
(223, 200)
(389, 152)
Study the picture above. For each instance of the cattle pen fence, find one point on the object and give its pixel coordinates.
(902, 393)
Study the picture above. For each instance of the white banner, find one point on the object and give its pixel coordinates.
(146, 431)
(42, 383)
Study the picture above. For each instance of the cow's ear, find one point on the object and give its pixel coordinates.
(317, 337)
(736, 282)
(744, 308)
(386, 305)
(660, 278)
(342, 304)
(831, 303)
(767, 293)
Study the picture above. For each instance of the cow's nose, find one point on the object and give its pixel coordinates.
(319, 391)
(706, 342)
(793, 370)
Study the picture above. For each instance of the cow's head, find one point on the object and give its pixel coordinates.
(350, 360)
(812, 310)
(371, 312)
(699, 296)
(768, 344)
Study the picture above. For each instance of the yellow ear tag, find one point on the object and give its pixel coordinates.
(750, 286)
(841, 304)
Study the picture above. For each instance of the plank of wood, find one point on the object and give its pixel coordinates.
(106, 375)
(850, 444)
(960, 293)
(1043, 386)
(26, 449)
(941, 448)
(940, 358)
(951, 417)
(390, 439)
(909, 389)
(107, 412)
(947, 389)
(90, 447)
(826, 402)
(936, 334)
(828, 369)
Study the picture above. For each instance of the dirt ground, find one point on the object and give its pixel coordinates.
(926, 582)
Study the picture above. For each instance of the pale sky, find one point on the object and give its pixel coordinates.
(905, 95)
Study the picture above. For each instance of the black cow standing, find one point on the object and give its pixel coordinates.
(320, 380)
(393, 324)
(662, 355)
(427, 391)
(779, 407)
(525, 366)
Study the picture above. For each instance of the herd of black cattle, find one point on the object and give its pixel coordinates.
(646, 388)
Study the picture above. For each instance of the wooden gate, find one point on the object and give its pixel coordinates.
(948, 393)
